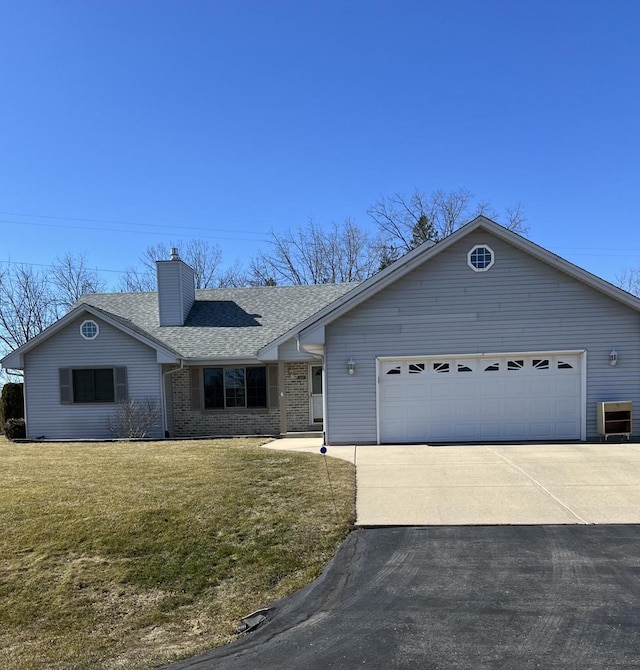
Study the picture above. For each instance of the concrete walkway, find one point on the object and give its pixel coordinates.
(492, 485)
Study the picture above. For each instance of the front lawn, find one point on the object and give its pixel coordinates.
(131, 555)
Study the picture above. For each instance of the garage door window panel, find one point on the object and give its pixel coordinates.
(541, 363)
(441, 368)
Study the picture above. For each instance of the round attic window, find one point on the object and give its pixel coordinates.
(89, 330)
(480, 258)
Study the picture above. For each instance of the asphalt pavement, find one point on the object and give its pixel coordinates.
(555, 597)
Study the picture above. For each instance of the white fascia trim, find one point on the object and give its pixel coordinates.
(490, 354)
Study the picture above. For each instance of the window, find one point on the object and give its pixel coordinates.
(92, 385)
(515, 365)
(229, 388)
(480, 258)
(89, 330)
(541, 363)
(416, 368)
(493, 367)
(395, 371)
(441, 367)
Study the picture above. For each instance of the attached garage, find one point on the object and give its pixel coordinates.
(481, 397)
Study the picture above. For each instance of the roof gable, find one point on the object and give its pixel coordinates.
(427, 251)
(14, 360)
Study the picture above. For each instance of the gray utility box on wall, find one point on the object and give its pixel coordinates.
(614, 418)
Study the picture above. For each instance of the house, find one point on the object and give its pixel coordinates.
(484, 336)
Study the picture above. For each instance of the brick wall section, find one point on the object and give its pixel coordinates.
(196, 423)
(296, 388)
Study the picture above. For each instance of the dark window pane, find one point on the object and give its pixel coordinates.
(256, 387)
(83, 386)
(103, 386)
(234, 387)
(93, 385)
(213, 388)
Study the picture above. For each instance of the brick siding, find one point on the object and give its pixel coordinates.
(296, 388)
(197, 423)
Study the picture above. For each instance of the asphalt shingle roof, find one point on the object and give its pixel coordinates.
(226, 322)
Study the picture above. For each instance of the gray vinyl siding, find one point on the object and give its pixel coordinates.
(443, 307)
(47, 417)
(176, 292)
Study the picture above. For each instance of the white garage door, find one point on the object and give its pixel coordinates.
(480, 398)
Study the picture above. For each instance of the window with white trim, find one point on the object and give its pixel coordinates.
(480, 258)
(89, 330)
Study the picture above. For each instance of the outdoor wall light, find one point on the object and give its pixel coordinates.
(351, 366)
(613, 358)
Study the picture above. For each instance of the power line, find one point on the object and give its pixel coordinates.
(50, 265)
(125, 223)
(130, 231)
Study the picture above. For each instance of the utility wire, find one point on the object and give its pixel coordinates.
(125, 223)
(130, 231)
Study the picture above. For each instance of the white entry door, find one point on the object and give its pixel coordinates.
(315, 392)
(479, 398)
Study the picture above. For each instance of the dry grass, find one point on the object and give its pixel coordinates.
(131, 555)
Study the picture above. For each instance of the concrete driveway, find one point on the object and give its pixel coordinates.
(491, 484)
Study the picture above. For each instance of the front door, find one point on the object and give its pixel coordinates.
(315, 392)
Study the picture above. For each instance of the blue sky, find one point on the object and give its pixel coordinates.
(125, 123)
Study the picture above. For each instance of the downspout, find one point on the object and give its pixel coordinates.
(164, 397)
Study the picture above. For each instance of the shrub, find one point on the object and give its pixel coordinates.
(15, 429)
(12, 402)
(134, 418)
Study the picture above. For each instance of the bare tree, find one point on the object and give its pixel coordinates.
(629, 280)
(137, 280)
(406, 221)
(28, 304)
(203, 257)
(313, 255)
(72, 278)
